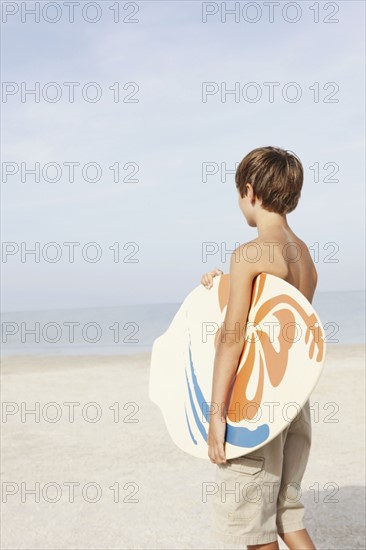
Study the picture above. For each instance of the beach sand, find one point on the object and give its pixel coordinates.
(135, 489)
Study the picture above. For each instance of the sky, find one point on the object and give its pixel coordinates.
(155, 135)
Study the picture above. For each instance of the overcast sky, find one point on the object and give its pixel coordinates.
(150, 230)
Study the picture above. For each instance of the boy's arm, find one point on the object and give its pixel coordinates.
(230, 346)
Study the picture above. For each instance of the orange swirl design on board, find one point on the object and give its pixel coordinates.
(258, 348)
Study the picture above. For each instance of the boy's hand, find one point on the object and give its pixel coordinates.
(207, 278)
(216, 440)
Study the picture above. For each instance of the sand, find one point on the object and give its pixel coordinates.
(135, 489)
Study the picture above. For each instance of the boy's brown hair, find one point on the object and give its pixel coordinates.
(276, 176)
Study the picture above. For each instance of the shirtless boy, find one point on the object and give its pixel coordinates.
(269, 182)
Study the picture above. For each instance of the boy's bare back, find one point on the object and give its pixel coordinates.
(285, 255)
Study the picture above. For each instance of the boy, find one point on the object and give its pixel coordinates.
(269, 182)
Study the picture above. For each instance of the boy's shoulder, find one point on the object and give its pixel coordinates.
(261, 255)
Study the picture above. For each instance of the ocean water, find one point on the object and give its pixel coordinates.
(133, 329)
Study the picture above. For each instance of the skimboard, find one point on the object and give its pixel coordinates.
(280, 365)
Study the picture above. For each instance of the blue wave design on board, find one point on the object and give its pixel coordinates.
(199, 424)
(242, 437)
(238, 436)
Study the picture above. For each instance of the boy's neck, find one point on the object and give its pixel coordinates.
(271, 221)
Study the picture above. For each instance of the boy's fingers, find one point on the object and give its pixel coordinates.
(207, 280)
(219, 459)
(222, 454)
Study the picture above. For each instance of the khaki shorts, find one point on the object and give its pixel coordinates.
(259, 494)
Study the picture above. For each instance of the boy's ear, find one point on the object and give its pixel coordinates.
(250, 191)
